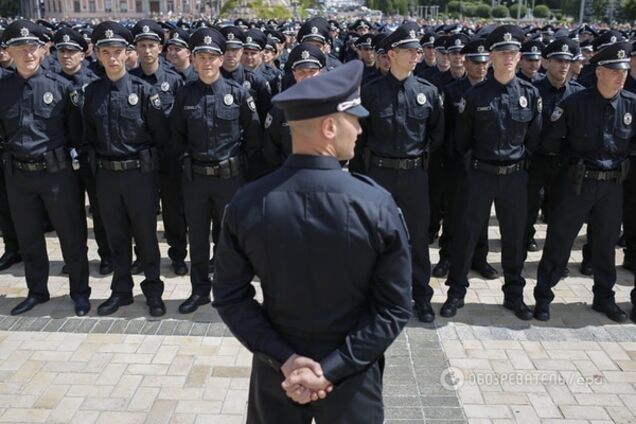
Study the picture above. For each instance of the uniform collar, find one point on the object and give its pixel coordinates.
(312, 162)
(122, 83)
(36, 74)
(613, 101)
(405, 82)
(214, 87)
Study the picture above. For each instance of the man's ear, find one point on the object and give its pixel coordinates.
(328, 127)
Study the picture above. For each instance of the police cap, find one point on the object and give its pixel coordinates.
(404, 37)
(505, 37)
(615, 56)
(178, 37)
(562, 49)
(364, 42)
(67, 38)
(331, 92)
(234, 37)
(475, 51)
(531, 50)
(307, 55)
(207, 40)
(314, 29)
(607, 39)
(456, 42)
(255, 39)
(147, 29)
(112, 34)
(23, 32)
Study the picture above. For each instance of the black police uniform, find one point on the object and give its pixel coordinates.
(405, 122)
(216, 129)
(544, 166)
(332, 255)
(596, 135)
(70, 39)
(498, 123)
(124, 126)
(629, 198)
(39, 123)
(166, 82)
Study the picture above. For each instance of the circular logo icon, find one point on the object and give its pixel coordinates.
(452, 378)
(48, 97)
(133, 99)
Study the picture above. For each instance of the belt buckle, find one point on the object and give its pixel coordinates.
(501, 170)
(403, 164)
(117, 166)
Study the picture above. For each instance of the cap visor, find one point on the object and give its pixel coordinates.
(619, 65)
(411, 45)
(531, 56)
(306, 65)
(506, 47)
(358, 111)
(569, 58)
(478, 59)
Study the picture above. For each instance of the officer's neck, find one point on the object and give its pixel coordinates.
(27, 73)
(474, 81)
(504, 77)
(458, 72)
(554, 82)
(116, 76)
(150, 68)
(399, 74)
(183, 66)
(209, 80)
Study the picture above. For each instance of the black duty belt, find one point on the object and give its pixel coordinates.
(30, 166)
(404, 164)
(224, 169)
(601, 175)
(497, 169)
(119, 165)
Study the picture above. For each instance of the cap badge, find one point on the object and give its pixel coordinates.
(207, 40)
(230, 36)
(621, 54)
(24, 32)
(133, 99)
(175, 35)
(314, 30)
(523, 102)
(48, 98)
(421, 98)
(248, 39)
(412, 34)
(66, 38)
(145, 29)
(458, 42)
(165, 86)
(304, 55)
(481, 49)
(565, 48)
(109, 33)
(534, 49)
(613, 39)
(507, 37)
(228, 99)
(627, 118)
(431, 39)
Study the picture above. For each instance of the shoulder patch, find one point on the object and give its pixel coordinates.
(539, 104)
(268, 120)
(251, 104)
(462, 105)
(155, 101)
(76, 98)
(556, 114)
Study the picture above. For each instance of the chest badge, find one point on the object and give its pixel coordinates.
(133, 99)
(627, 118)
(421, 99)
(165, 86)
(228, 99)
(48, 98)
(461, 106)
(523, 102)
(247, 84)
(268, 120)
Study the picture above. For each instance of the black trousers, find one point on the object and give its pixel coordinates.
(87, 184)
(542, 174)
(173, 214)
(205, 198)
(357, 399)
(33, 195)
(601, 202)
(478, 190)
(454, 169)
(128, 201)
(409, 189)
(629, 211)
(9, 236)
(437, 191)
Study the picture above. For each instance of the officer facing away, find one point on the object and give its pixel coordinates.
(332, 254)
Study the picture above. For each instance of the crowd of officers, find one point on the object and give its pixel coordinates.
(177, 117)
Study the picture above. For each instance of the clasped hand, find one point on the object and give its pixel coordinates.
(304, 381)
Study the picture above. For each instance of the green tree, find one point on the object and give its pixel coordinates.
(453, 6)
(9, 7)
(513, 10)
(483, 11)
(629, 9)
(541, 11)
(500, 11)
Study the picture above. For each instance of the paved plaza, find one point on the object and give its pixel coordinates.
(483, 366)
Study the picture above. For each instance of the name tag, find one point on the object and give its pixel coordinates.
(484, 108)
(190, 107)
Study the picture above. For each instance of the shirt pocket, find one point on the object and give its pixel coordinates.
(623, 137)
(382, 127)
(520, 119)
(416, 120)
(131, 123)
(227, 124)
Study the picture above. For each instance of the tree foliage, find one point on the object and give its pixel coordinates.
(500, 11)
(541, 11)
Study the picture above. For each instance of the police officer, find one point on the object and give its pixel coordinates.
(544, 165)
(39, 122)
(405, 122)
(530, 62)
(332, 254)
(306, 61)
(595, 129)
(71, 48)
(178, 54)
(428, 53)
(629, 192)
(216, 129)
(124, 125)
(148, 38)
(382, 61)
(366, 53)
(500, 120)
(476, 64)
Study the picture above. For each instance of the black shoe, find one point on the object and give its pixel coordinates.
(156, 307)
(8, 259)
(542, 311)
(633, 314)
(486, 271)
(611, 310)
(566, 272)
(532, 245)
(65, 269)
(520, 309)
(628, 263)
(26, 305)
(113, 303)
(450, 307)
(82, 306)
(211, 266)
(586, 268)
(105, 267)
(192, 303)
(441, 269)
(135, 268)
(180, 267)
(425, 312)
